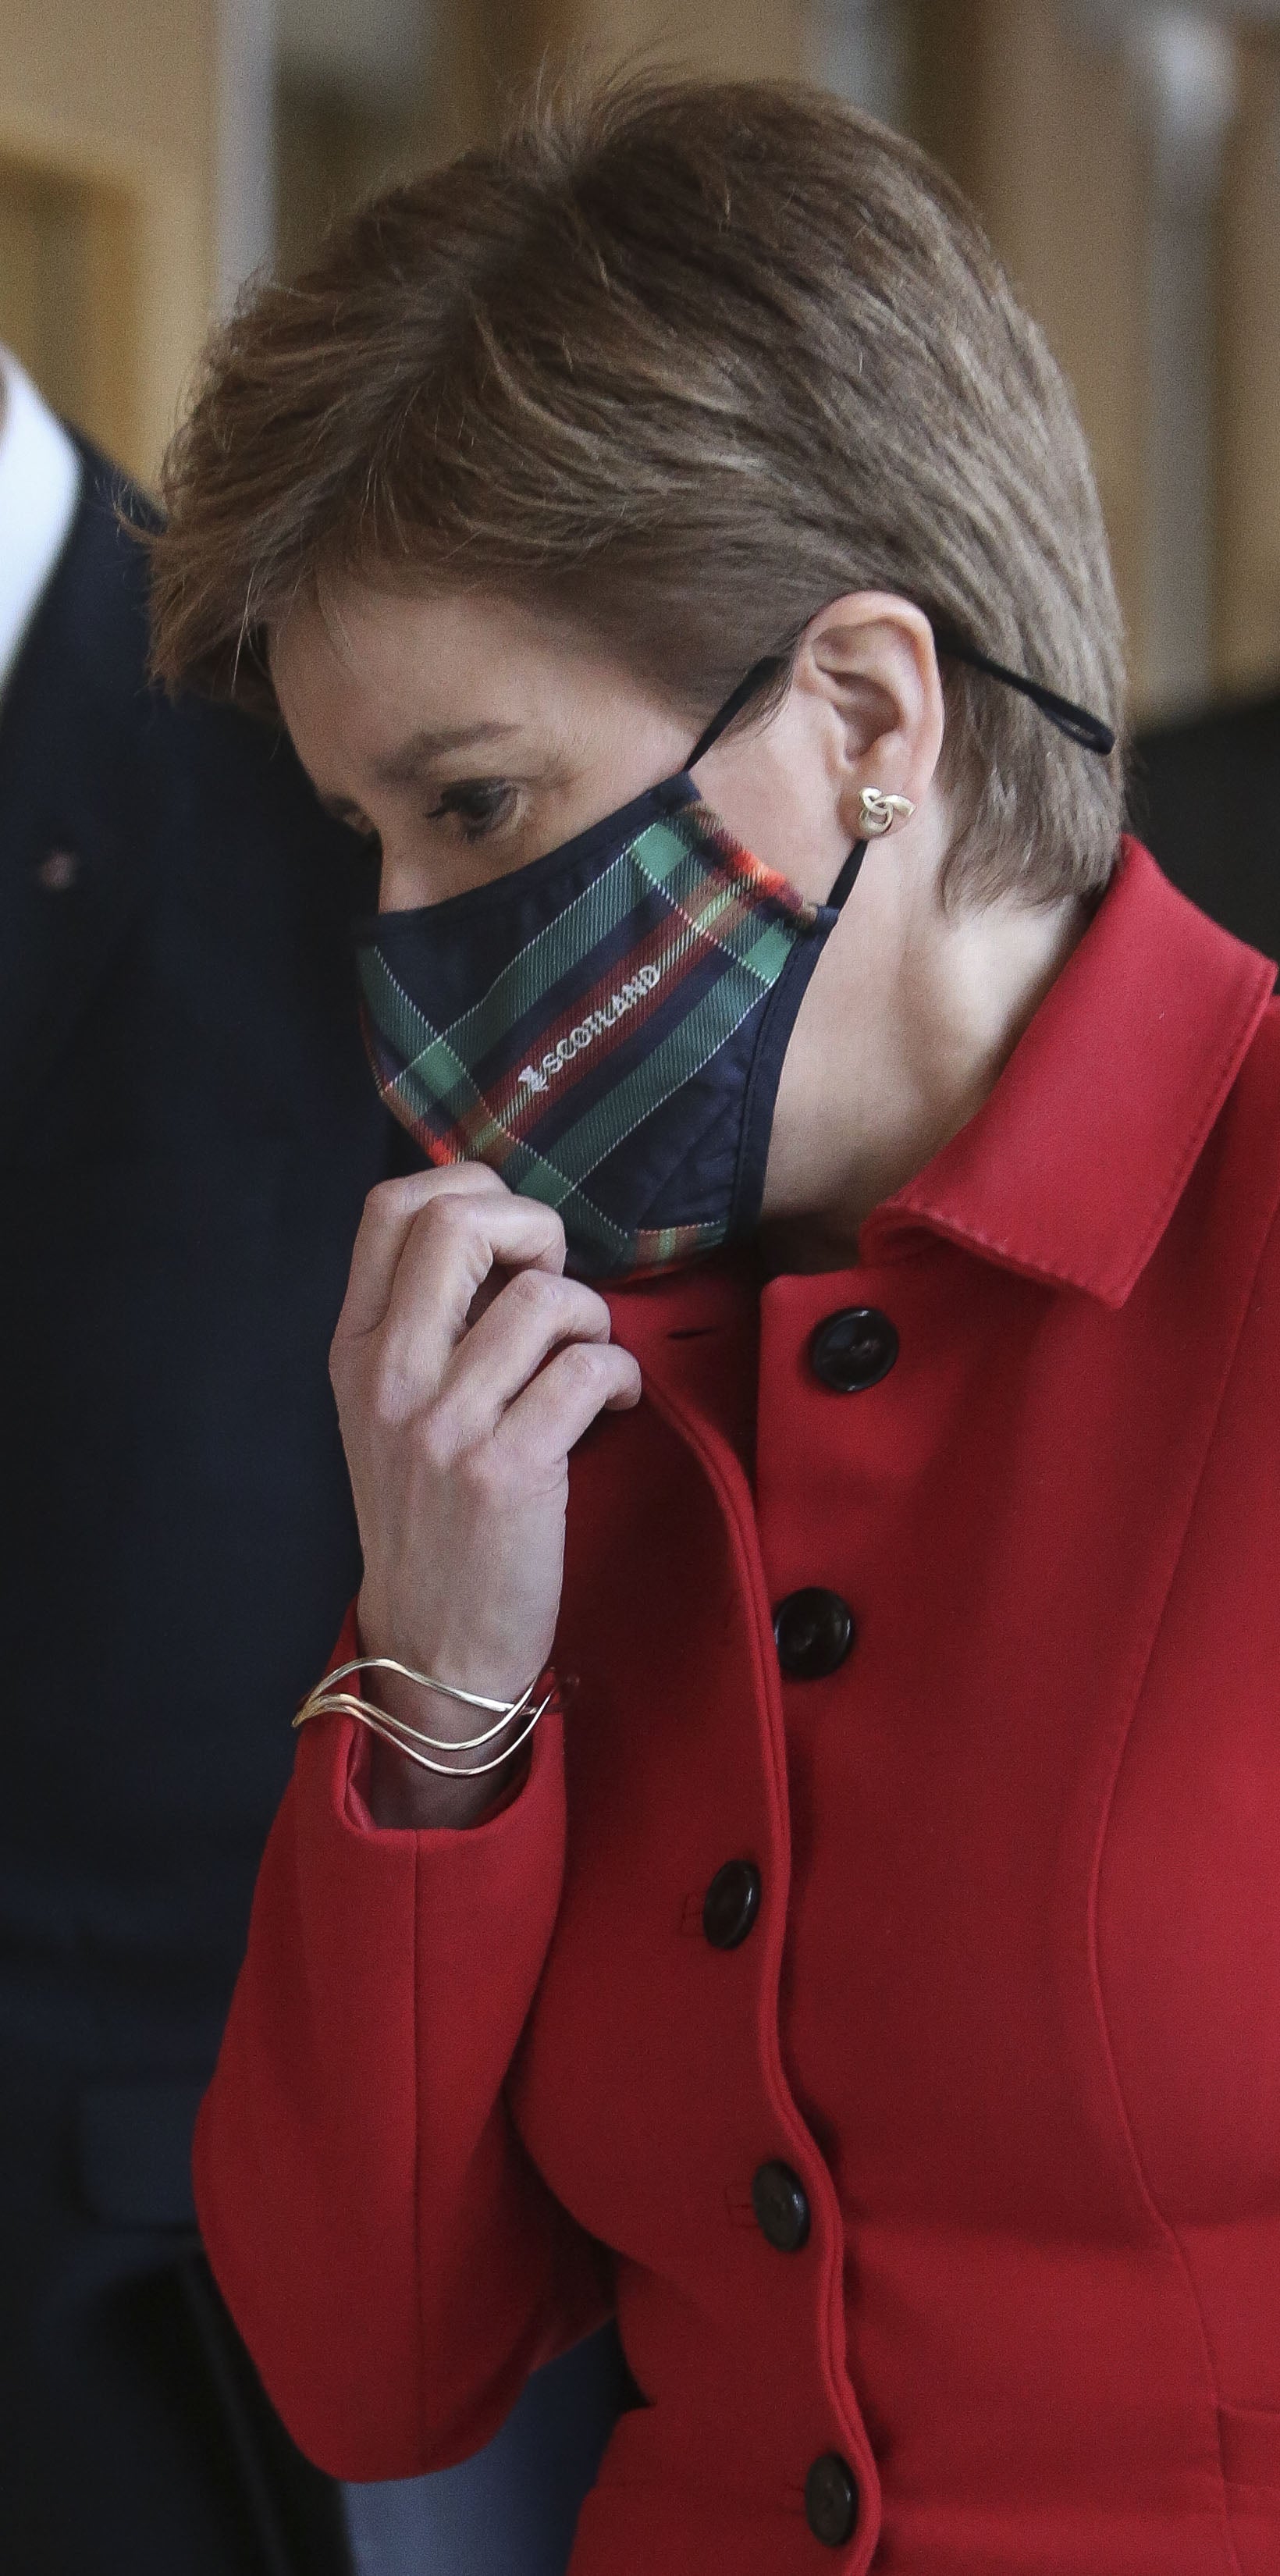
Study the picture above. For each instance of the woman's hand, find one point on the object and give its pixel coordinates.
(465, 1367)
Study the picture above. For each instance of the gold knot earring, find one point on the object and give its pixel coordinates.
(877, 813)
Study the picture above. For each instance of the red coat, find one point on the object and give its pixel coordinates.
(1008, 2013)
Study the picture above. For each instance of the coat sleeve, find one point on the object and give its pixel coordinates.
(392, 2258)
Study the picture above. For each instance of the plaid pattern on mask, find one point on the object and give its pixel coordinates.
(599, 1017)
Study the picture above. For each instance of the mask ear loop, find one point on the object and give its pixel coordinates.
(759, 674)
(848, 877)
(1075, 722)
(1078, 723)
(756, 679)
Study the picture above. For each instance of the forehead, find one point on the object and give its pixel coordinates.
(370, 662)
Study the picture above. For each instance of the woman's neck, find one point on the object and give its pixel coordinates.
(910, 1019)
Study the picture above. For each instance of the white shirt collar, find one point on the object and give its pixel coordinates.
(39, 489)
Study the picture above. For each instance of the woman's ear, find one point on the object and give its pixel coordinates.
(871, 658)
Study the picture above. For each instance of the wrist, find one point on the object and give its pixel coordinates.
(417, 1776)
(401, 1797)
(431, 1685)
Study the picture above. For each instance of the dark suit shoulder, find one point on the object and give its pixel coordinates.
(174, 838)
(89, 638)
(1205, 795)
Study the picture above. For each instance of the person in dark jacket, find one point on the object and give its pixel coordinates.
(187, 1133)
(1206, 795)
(187, 1137)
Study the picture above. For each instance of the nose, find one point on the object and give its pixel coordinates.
(400, 883)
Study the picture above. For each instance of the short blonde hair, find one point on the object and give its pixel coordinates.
(685, 361)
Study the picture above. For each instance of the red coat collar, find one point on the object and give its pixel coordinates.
(1072, 1168)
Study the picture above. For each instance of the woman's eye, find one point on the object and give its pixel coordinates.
(478, 805)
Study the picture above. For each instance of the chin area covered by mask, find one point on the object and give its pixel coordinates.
(606, 1027)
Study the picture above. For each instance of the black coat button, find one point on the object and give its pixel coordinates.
(813, 1631)
(782, 2211)
(731, 1904)
(853, 1349)
(831, 2500)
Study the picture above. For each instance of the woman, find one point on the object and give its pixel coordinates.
(862, 1976)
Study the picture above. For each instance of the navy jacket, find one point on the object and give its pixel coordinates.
(187, 1131)
(1206, 799)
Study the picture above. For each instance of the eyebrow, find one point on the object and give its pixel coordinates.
(401, 768)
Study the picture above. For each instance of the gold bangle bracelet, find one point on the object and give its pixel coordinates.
(329, 1701)
(405, 1740)
(504, 1710)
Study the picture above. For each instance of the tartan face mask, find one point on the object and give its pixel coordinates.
(606, 1026)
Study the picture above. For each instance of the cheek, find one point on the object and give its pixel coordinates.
(411, 879)
(421, 866)
(792, 822)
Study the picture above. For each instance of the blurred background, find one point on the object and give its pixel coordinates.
(1126, 157)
